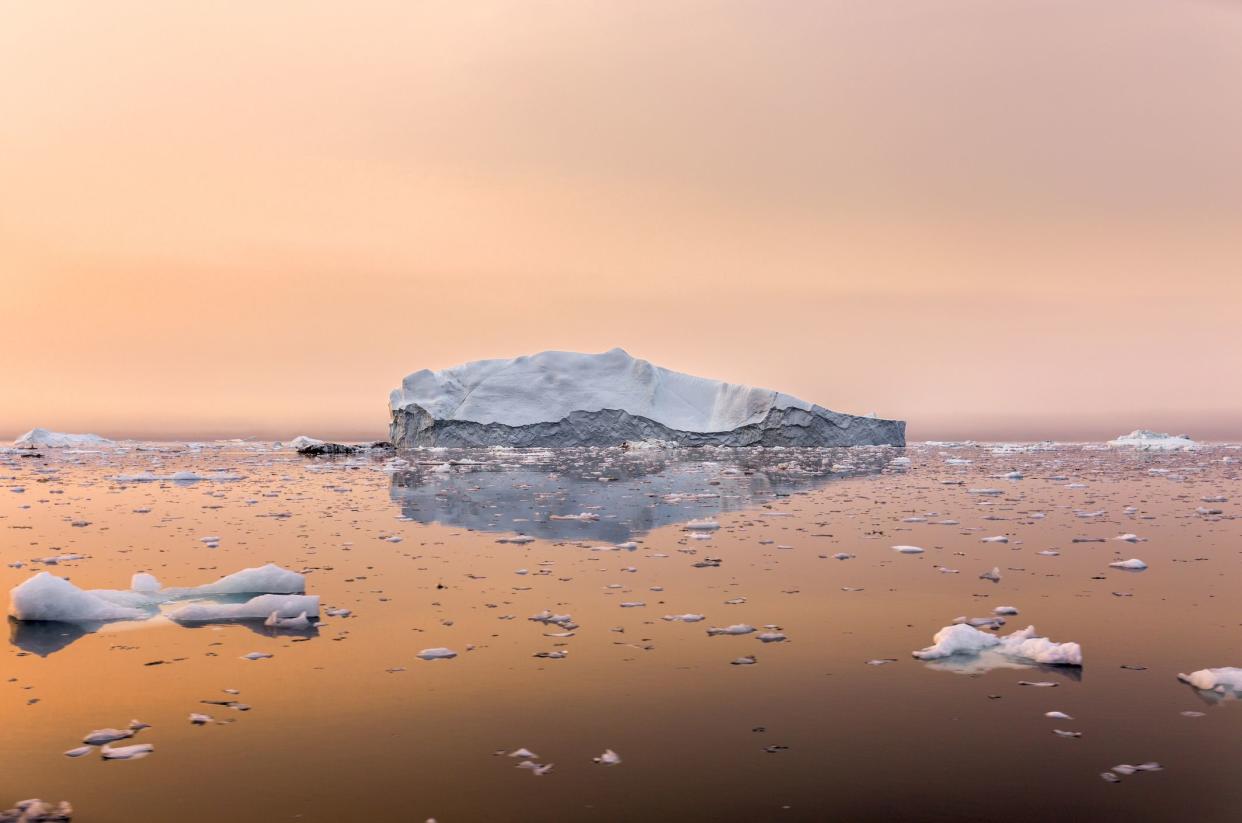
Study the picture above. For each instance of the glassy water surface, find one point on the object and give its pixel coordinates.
(460, 549)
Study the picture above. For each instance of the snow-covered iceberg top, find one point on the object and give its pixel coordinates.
(1145, 440)
(546, 387)
(44, 439)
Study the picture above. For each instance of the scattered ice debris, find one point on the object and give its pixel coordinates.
(1133, 564)
(438, 653)
(962, 639)
(683, 618)
(608, 758)
(1225, 680)
(992, 574)
(134, 752)
(735, 629)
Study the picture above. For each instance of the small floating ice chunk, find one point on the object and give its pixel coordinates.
(735, 629)
(145, 583)
(992, 574)
(438, 653)
(608, 758)
(1133, 564)
(908, 549)
(78, 752)
(1058, 715)
(101, 736)
(1000, 538)
(1222, 680)
(134, 752)
(746, 660)
(683, 618)
(257, 656)
(705, 525)
(524, 753)
(199, 719)
(771, 637)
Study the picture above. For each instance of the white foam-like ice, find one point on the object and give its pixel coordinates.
(963, 639)
(1222, 680)
(546, 387)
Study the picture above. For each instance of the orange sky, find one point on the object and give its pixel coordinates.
(1018, 219)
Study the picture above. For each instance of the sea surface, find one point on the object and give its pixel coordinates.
(837, 721)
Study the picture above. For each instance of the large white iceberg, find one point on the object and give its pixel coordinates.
(571, 399)
(44, 439)
(963, 639)
(269, 579)
(1145, 440)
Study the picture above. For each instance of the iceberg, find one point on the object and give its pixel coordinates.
(556, 399)
(1024, 645)
(1225, 680)
(269, 579)
(47, 597)
(44, 439)
(1145, 440)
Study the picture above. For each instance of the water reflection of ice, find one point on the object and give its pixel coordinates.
(631, 492)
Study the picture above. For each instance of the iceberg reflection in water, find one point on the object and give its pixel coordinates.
(631, 492)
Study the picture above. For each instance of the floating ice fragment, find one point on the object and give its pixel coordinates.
(908, 549)
(438, 653)
(735, 629)
(1133, 564)
(608, 758)
(1222, 680)
(256, 656)
(701, 525)
(101, 736)
(199, 719)
(992, 574)
(134, 752)
(961, 639)
(50, 598)
(1058, 715)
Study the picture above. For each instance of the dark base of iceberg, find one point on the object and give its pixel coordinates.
(413, 427)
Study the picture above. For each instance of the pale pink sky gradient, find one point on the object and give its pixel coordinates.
(1018, 219)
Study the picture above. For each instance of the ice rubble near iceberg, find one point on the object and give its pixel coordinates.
(1145, 440)
(963, 639)
(572, 399)
(49, 598)
(44, 439)
(1222, 680)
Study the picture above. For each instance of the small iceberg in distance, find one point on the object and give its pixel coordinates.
(1145, 440)
(44, 439)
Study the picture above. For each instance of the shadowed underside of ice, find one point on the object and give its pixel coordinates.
(572, 399)
(44, 439)
(966, 641)
(1144, 440)
(46, 597)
